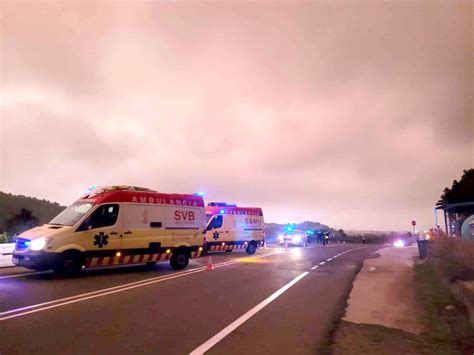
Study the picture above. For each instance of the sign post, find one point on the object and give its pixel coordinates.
(413, 223)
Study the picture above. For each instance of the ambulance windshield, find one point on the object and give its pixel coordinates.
(72, 214)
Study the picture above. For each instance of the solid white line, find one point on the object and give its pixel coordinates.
(91, 293)
(25, 274)
(99, 293)
(242, 319)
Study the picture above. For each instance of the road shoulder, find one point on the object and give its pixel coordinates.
(398, 306)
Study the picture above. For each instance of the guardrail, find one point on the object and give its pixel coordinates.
(6, 250)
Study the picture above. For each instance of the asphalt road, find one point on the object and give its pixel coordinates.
(275, 302)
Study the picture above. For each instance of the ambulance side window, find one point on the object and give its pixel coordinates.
(103, 216)
(216, 222)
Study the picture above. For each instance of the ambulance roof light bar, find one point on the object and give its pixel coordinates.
(97, 190)
(222, 204)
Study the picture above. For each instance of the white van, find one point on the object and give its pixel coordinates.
(116, 225)
(234, 228)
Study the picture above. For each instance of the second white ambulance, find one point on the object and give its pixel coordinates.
(230, 227)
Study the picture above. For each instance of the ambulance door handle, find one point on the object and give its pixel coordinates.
(128, 232)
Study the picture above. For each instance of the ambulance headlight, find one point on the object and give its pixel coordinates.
(297, 238)
(38, 244)
(281, 237)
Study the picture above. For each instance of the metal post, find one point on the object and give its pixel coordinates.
(446, 223)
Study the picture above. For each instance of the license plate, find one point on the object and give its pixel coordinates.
(15, 260)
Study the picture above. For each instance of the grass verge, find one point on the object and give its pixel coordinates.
(447, 320)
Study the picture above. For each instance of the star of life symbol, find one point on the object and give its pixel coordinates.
(101, 239)
(215, 235)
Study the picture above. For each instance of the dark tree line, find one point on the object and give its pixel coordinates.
(460, 191)
(20, 222)
(19, 213)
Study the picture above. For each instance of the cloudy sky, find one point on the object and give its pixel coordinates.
(355, 114)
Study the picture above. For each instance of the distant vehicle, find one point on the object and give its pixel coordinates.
(293, 237)
(116, 225)
(231, 227)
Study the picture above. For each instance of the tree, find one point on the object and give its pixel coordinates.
(460, 191)
(20, 222)
(342, 234)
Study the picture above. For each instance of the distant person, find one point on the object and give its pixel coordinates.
(320, 238)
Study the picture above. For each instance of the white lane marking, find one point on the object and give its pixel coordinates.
(242, 319)
(95, 296)
(99, 293)
(334, 257)
(24, 274)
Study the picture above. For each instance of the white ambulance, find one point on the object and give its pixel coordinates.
(234, 228)
(116, 225)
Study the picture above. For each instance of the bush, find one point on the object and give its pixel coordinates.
(453, 258)
(3, 238)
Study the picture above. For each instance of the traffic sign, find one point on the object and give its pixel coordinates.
(413, 223)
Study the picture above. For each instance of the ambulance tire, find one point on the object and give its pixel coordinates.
(180, 259)
(69, 264)
(251, 248)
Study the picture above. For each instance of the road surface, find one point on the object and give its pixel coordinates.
(273, 302)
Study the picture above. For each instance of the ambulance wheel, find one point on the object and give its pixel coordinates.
(69, 264)
(179, 260)
(252, 247)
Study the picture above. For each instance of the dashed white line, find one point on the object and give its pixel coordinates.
(239, 321)
(334, 257)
